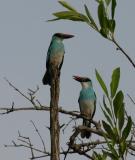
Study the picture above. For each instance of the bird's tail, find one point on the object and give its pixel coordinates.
(46, 79)
(86, 133)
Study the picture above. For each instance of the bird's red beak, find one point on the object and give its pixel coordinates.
(77, 78)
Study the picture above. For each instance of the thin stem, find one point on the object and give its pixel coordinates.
(122, 50)
(39, 135)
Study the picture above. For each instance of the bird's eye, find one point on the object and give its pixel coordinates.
(88, 80)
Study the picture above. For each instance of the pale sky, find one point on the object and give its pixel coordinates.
(24, 40)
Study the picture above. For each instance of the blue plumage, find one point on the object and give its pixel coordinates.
(55, 47)
(87, 102)
(55, 55)
(87, 94)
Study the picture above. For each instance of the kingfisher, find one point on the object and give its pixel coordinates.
(55, 55)
(87, 102)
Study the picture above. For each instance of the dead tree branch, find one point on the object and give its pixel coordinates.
(54, 114)
(44, 148)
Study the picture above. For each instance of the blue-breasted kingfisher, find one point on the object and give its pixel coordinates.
(87, 102)
(55, 55)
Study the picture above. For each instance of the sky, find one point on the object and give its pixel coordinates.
(24, 39)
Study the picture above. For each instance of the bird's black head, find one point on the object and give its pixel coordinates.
(63, 36)
(81, 79)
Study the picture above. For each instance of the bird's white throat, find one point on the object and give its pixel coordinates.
(85, 84)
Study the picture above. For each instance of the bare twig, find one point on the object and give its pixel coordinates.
(122, 51)
(12, 109)
(32, 153)
(27, 146)
(28, 142)
(131, 99)
(31, 93)
(66, 125)
(16, 89)
(39, 136)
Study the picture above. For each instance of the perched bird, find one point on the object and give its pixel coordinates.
(87, 102)
(55, 55)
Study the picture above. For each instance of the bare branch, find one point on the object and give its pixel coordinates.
(66, 125)
(39, 136)
(46, 108)
(131, 99)
(26, 146)
(32, 153)
(31, 93)
(16, 89)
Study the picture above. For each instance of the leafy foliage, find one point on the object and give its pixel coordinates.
(97, 156)
(107, 23)
(115, 81)
(66, 5)
(118, 102)
(92, 22)
(113, 8)
(102, 83)
(127, 129)
(118, 129)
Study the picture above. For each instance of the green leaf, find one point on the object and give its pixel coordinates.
(127, 129)
(107, 117)
(107, 2)
(70, 15)
(66, 5)
(102, 83)
(101, 14)
(103, 17)
(106, 24)
(118, 102)
(104, 156)
(113, 8)
(115, 81)
(112, 25)
(64, 14)
(104, 32)
(111, 155)
(122, 147)
(118, 105)
(51, 20)
(115, 131)
(113, 152)
(98, 156)
(107, 108)
(108, 129)
(121, 119)
(90, 17)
